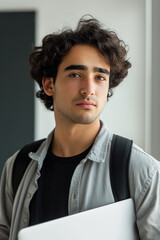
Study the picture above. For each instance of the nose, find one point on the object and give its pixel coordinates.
(88, 88)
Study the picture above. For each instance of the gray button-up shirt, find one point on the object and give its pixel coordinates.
(90, 187)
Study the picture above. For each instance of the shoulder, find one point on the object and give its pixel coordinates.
(10, 162)
(142, 161)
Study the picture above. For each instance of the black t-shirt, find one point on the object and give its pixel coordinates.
(51, 199)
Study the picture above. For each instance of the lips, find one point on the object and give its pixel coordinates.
(86, 104)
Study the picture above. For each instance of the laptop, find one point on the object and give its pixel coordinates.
(114, 221)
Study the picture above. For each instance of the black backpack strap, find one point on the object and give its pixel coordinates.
(21, 162)
(119, 167)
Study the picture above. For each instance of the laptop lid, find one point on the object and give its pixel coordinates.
(115, 221)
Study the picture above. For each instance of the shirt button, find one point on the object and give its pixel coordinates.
(25, 220)
(28, 195)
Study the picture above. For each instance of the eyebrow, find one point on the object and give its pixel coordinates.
(83, 67)
(102, 70)
(76, 67)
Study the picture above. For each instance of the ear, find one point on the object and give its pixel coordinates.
(48, 85)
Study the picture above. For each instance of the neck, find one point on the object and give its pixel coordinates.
(72, 139)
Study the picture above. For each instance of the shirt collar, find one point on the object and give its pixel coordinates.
(97, 153)
(99, 149)
(41, 153)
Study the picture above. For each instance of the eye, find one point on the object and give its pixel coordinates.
(101, 78)
(74, 75)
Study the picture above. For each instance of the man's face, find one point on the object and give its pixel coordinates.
(81, 85)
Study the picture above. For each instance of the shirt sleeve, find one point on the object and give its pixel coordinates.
(144, 175)
(6, 199)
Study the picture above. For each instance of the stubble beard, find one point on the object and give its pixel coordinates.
(84, 118)
(87, 116)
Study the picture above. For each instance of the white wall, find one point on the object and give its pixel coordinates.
(125, 112)
(155, 139)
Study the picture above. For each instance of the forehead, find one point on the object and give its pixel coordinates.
(86, 55)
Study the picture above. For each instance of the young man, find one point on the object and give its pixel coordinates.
(69, 173)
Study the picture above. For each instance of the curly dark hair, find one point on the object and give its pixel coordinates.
(45, 59)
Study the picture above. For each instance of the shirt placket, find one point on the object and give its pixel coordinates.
(73, 201)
